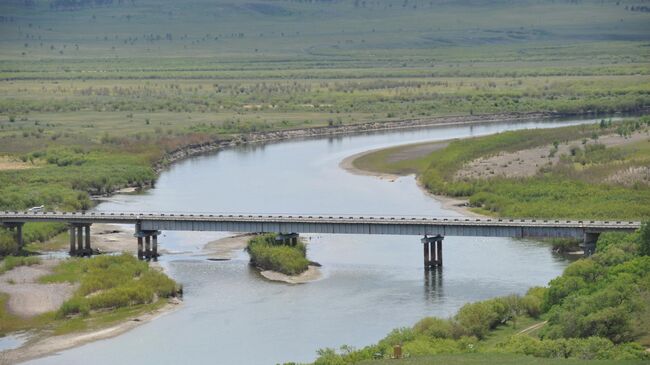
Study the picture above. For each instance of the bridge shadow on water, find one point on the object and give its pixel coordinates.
(433, 284)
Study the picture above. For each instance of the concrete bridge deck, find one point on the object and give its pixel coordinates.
(148, 224)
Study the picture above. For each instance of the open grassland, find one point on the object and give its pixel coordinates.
(94, 93)
(592, 181)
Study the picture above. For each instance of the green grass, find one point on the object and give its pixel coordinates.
(111, 289)
(552, 193)
(268, 254)
(11, 262)
(596, 310)
(110, 282)
(501, 359)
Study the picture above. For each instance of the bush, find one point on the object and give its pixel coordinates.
(434, 327)
(268, 254)
(591, 348)
(110, 282)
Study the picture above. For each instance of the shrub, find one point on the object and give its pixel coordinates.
(75, 305)
(477, 318)
(434, 327)
(269, 254)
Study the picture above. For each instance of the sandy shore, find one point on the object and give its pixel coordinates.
(226, 248)
(347, 164)
(313, 273)
(112, 238)
(457, 205)
(27, 297)
(47, 345)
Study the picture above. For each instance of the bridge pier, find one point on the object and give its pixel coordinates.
(80, 239)
(432, 251)
(589, 243)
(17, 229)
(147, 244)
(287, 238)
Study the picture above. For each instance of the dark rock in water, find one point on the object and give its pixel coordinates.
(217, 259)
(314, 263)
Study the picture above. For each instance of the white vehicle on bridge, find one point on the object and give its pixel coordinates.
(39, 208)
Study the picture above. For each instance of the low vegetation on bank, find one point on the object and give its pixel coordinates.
(268, 253)
(581, 185)
(11, 262)
(599, 308)
(109, 289)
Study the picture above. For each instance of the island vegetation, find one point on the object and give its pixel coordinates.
(267, 252)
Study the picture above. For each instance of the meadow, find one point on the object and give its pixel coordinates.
(578, 186)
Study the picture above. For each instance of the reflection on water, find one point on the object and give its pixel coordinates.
(371, 284)
(433, 284)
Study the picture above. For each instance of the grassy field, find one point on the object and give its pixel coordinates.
(553, 192)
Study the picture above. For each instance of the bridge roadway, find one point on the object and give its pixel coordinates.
(148, 224)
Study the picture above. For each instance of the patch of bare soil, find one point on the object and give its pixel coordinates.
(311, 274)
(528, 162)
(112, 238)
(226, 248)
(29, 298)
(52, 344)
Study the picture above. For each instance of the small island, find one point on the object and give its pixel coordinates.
(282, 258)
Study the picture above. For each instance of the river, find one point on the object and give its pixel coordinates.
(371, 284)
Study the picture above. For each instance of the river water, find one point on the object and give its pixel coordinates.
(371, 284)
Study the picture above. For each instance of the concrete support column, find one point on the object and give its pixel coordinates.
(589, 243)
(147, 249)
(80, 240)
(427, 250)
(432, 251)
(154, 250)
(87, 242)
(19, 236)
(73, 244)
(140, 252)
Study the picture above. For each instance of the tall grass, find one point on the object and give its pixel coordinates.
(107, 282)
(269, 254)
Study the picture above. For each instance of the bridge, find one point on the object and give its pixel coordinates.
(432, 229)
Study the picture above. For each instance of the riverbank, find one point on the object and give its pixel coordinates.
(495, 174)
(191, 150)
(405, 153)
(62, 304)
(48, 345)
